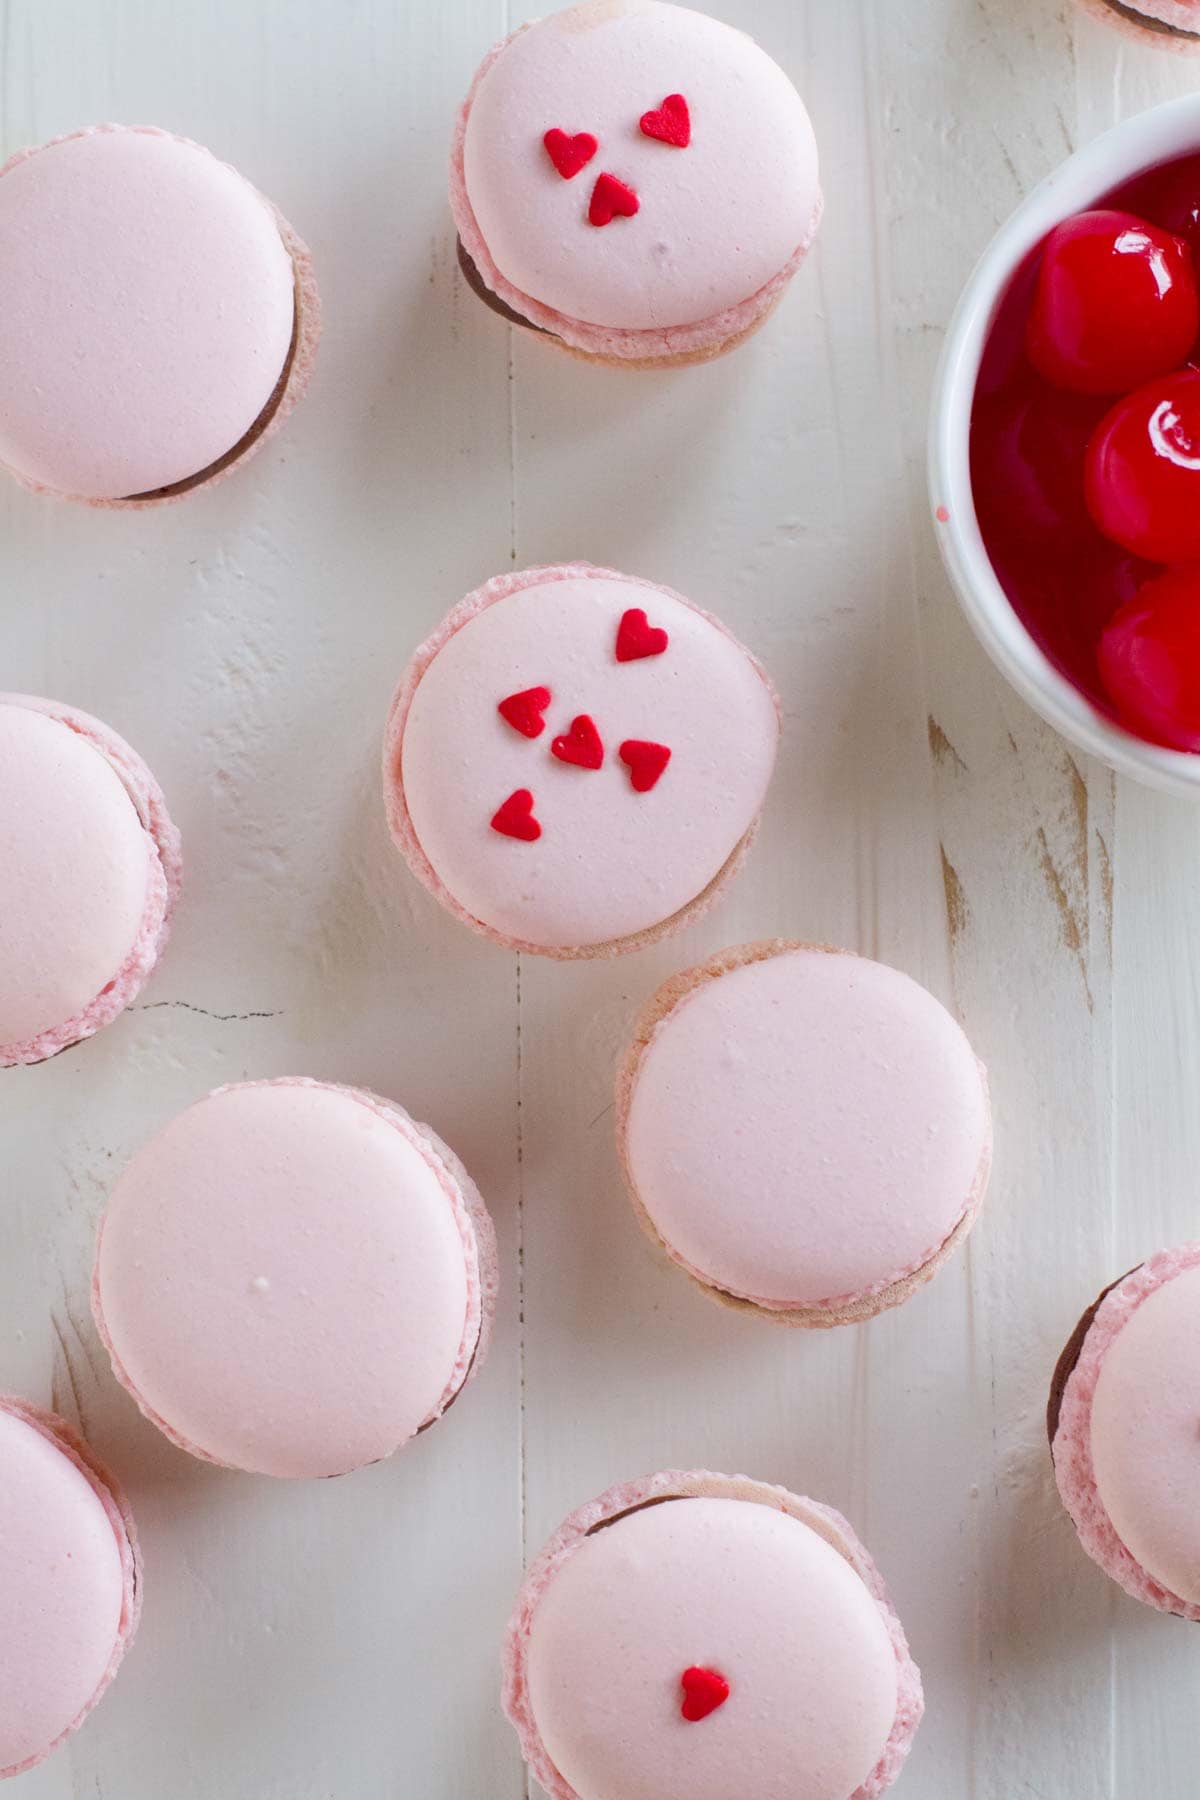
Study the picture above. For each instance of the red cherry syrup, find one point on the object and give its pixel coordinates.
(1064, 577)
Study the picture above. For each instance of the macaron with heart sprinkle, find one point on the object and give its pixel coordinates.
(70, 1582)
(1124, 1426)
(160, 317)
(693, 1636)
(89, 877)
(576, 760)
(806, 1133)
(634, 180)
(294, 1278)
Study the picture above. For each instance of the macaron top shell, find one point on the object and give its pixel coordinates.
(609, 861)
(149, 307)
(764, 1601)
(1145, 1433)
(83, 887)
(805, 1127)
(723, 202)
(288, 1280)
(65, 1573)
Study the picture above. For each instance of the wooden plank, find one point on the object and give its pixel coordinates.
(342, 1638)
(771, 489)
(328, 1638)
(1035, 840)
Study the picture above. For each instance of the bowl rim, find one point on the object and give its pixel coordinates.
(1117, 155)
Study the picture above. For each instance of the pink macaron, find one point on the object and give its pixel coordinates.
(160, 317)
(576, 760)
(89, 875)
(692, 1636)
(635, 180)
(294, 1278)
(70, 1583)
(805, 1132)
(1122, 1420)
(1175, 24)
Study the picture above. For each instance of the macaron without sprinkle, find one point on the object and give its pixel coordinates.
(805, 1132)
(70, 1583)
(294, 1278)
(635, 180)
(576, 760)
(89, 875)
(1122, 1420)
(160, 317)
(1175, 24)
(707, 1637)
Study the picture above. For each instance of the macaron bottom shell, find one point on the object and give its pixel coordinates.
(665, 1489)
(111, 1499)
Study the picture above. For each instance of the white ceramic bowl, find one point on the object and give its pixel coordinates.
(1140, 143)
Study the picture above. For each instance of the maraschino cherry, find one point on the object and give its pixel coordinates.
(1115, 304)
(1150, 660)
(1142, 477)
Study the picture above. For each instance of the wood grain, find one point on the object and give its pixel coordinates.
(340, 1639)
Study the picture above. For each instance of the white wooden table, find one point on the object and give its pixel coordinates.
(339, 1641)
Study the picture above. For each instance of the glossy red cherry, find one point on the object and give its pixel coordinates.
(1168, 194)
(1150, 660)
(1142, 475)
(1115, 304)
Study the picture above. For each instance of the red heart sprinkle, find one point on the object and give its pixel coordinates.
(515, 818)
(609, 197)
(524, 711)
(581, 745)
(570, 154)
(644, 761)
(672, 122)
(703, 1691)
(636, 638)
